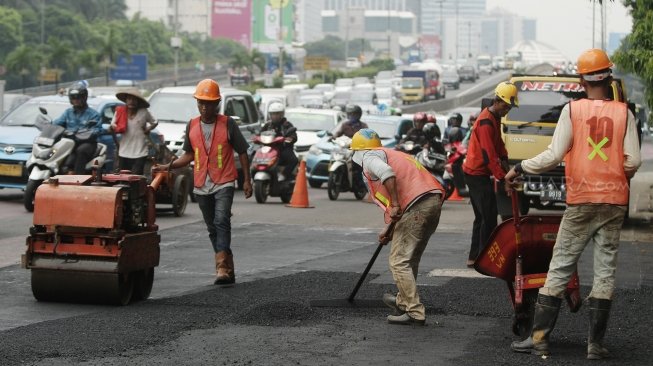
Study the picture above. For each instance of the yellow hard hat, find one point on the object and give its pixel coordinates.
(365, 139)
(593, 60)
(508, 93)
(208, 90)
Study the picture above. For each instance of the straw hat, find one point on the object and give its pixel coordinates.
(142, 103)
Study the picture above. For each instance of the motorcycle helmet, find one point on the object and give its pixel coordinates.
(430, 118)
(432, 131)
(276, 107)
(455, 134)
(78, 90)
(419, 117)
(353, 109)
(455, 120)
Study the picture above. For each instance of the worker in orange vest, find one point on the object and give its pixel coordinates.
(410, 196)
(597, 139)
(211, 139)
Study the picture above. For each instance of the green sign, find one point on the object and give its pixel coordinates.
(272, 22)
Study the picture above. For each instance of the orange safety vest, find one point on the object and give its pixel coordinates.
(594, 166)
(413, 181)
(219, 161)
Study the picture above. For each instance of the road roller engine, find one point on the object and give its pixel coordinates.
(94, 238)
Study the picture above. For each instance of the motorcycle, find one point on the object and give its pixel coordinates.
(434, 159)
(456, 153)
(409, 147)
(267, 173)
(50, 151)
(342, 171)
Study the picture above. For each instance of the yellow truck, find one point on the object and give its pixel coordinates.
(527, 131)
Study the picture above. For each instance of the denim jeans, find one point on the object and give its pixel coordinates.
(216, 210)
(600, 223)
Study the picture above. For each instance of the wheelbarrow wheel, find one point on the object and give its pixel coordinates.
(522, 320)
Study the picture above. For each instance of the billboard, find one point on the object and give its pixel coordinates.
(431, 46)
(272, 24)
(232, 19)
(133, 67)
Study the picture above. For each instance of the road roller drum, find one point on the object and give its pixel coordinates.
(93, 239)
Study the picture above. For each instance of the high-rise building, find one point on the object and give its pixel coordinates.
(192, 15)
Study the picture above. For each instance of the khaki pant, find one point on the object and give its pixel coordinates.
(580, 225)
(411, 235)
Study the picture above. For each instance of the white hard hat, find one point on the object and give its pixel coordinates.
(276, 107)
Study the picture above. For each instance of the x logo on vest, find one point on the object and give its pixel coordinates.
(596, 148)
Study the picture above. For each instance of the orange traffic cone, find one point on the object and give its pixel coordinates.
(300, 193)
(455, 196)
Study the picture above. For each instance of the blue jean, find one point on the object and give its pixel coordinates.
(216, 210)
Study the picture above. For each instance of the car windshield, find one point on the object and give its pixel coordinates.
(362, 97)
(305, 121)
(385, 130)
(341, 96)
(384, 93)
(324, 87)
(411, 83)
(344, 82)
(28, 114)
(543, 101)
(173, 107)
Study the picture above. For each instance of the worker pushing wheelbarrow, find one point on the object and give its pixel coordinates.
(519, 251)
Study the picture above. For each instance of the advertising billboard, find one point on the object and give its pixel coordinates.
(272, 24)
(431, 46)
(232, 19)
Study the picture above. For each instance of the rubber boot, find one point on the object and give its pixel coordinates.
(224, 264)
(599, 314)
(546, 315)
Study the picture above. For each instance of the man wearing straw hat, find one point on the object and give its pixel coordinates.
(134, 122)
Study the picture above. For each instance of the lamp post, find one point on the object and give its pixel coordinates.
(469, 38)
(280, 40)
(176, 42)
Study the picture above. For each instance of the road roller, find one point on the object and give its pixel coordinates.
(94, 238)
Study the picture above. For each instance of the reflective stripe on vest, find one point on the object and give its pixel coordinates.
(219, 156)
(598, 130)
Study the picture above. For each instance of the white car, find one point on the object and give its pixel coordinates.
(353, 63)
(309, 122)
(344, 84)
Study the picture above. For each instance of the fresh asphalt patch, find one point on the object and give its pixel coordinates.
(270, 322)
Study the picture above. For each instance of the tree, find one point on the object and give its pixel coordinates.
(331, 47)
(258, 59)
(59, 53)
(109, 48)
(23, 61)
(635, 54)
(10, 29)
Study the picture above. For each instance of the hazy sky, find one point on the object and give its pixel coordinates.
(567, 24)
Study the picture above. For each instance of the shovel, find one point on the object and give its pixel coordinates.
(349, 302)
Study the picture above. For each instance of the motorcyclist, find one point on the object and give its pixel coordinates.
(80, 117)
(281, 126)
(353, 123)
(470, 127)
(416, 134)
(455, 120)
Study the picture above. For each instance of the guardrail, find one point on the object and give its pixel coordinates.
(473, 95)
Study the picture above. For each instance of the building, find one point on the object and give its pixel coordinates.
(192, 15)
(500, 30)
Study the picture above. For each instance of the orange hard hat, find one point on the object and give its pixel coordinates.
(593, 60)
(208, 90)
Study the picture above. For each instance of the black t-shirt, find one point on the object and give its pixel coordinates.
(236, 138)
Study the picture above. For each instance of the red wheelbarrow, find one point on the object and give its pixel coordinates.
(519, 251)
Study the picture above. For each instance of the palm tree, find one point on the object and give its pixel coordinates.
(257, 58)
(59, 56)
(22, 60)
(109, 49)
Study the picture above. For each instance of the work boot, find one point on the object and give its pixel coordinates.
(224, 268)
(391, 301)
(599, 314)
(404, 319)
(546, 314)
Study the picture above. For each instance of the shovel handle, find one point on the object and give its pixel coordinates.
(389, 231)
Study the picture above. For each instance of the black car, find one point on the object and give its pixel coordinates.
(451, 79)
(468, 72)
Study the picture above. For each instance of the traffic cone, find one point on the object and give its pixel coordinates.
(455, 196)
(300, 193)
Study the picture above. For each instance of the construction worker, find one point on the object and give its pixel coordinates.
(281, 127)
(80, 117)
(487, 161)
(211, 139)
(411, 197)
(597, 139)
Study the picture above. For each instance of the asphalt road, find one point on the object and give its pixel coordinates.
(285, 258)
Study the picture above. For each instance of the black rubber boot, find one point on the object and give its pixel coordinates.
(599, 314)
(546, 315)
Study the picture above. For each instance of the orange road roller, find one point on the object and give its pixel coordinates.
(94, 239)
